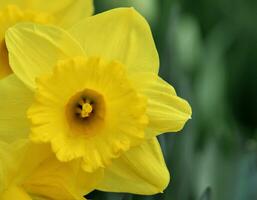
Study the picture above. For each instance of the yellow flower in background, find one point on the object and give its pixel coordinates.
(31, 172)
(63, 13)
(93, 92)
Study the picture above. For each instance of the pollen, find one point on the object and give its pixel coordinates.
(86, 110)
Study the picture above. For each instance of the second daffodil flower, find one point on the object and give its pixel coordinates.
(31, 172)
(63, 13)
(93, 92)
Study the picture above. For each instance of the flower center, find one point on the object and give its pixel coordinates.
(85, 111)
(9, 16)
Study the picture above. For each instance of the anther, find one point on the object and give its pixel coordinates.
(86, 110)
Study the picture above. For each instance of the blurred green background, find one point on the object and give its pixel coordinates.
(208, 52)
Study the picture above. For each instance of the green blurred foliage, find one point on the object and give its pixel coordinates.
(208, 52)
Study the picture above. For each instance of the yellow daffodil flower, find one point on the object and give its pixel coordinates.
(93, 92)
(63, 13)
(31, 172)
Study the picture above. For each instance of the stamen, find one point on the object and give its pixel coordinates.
(86, 110)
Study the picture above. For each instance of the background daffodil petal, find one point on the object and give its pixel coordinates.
(35, 170)
(16, 164)
(4, 3)
(35, 49)
(54, 179)
(57, 180)
(166, 111)
(6, 162)
(121, 34)
(13, 193)
(141, 170)
(65, 12)
(15, 100)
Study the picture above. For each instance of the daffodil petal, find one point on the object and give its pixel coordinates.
(141, 170)
(14, 192)
(6, 159)
(65, 12)
(15, 100)
(17, 161)
(166, 111)
(4, 3)
(41, 174)
(121, 34)
(33, 169)
(34, 49)
(57, 180)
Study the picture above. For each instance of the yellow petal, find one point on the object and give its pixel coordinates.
(4, 3)
(14, 168)
(41, 174)
(57, 180)
(142, 170)
(35, 49)
(8, 161)
(166, 111)
(13, 193)
(15, 100)
(18, 159)
(121, 34)
(65, 12)
(34, 169)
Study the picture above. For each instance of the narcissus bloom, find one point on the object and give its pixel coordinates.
(63, 13)
(93, 92)
(31, 172)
